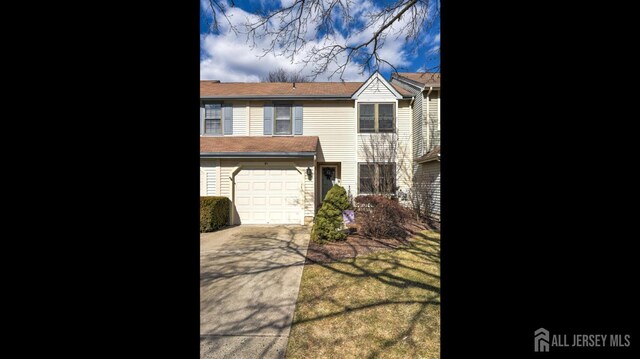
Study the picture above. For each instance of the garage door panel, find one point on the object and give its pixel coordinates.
(259, 201)
(242, 186)
(259, 186)
(269, 196)
(275, 201)
(243, 201)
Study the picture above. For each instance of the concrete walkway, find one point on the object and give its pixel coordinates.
(249, 281)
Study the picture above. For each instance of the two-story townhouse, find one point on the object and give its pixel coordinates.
(275, 149)
(425, 87)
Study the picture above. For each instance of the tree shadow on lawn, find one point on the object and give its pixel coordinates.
(261, 275)
(413, 267)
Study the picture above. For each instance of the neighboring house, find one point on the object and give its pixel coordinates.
(275, 149)
(425, 86)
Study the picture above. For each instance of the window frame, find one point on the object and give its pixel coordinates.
(376, 117)
(204, 129)
(275, 120)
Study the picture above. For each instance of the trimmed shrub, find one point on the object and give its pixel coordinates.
(214, 213)
(381, 217)
(328, 222)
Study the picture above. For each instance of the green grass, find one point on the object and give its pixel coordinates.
(382, 305)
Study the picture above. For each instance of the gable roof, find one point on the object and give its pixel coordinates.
(419, 78)
(217, 89)
(376, 76)
(258, 145)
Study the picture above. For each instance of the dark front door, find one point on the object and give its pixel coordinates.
(328, 179)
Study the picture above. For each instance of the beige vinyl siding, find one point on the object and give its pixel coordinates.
(418, 138)
(376, 91)
(334, 122)
(256, 118)
(203, 182)
(208, 177)
(432, 120)
(227, 166)
(402, 136)
(405, 137)
(240, 123)
(431, 171)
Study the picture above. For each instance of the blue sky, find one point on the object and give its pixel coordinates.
(229, 57)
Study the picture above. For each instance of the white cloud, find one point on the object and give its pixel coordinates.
(230, 58)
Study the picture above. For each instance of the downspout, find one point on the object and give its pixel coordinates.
(428, 136)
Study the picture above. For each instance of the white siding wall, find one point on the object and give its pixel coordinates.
(404, 141)
(240, 123)
(432, 126)
(334, 122)
(208, 177)
(405, 146)
(256, 113)
(376, 91)
(431, 171)
(418, 137)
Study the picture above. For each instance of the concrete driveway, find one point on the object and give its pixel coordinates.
(249, 281)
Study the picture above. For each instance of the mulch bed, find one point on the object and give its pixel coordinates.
(356, 245)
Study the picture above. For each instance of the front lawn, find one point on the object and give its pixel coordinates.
(384, 304)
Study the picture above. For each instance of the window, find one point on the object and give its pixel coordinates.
(213, 119)
(367, 117)
(376, 117)
(377, 178)
(282, 121)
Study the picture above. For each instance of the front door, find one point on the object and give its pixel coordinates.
(328, 179)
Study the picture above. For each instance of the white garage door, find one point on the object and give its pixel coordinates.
(268, 196)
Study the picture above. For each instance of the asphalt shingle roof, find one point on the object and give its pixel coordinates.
(258, 144)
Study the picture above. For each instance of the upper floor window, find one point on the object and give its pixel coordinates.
(282, 121)
(213, 119)
(376, 117)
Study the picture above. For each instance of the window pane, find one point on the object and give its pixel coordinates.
(365, 171)
(213, 127)
(385, 117)
(213, 110)
(283, 127)
(385, 110)
(367, 125)
(387, 178)
(366, 179)
(385, 124)
(367, 109)
(283, 112)
(367, 117)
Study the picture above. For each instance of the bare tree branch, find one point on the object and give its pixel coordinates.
(281, 75)
(329, 35)
(219, 8)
